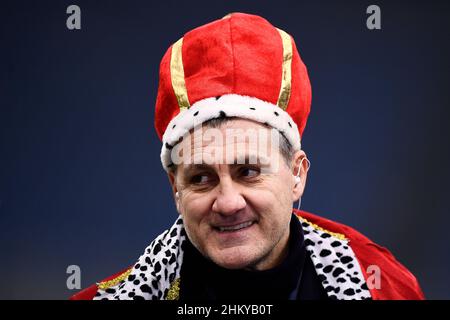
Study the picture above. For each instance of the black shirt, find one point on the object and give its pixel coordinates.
(294, 278)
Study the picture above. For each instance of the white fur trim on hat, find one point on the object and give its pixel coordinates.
(232, 105)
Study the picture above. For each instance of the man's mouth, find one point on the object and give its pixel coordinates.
(236, 227)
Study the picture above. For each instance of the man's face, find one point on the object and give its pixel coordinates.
(235, 214)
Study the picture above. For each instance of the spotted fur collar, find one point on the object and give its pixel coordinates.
(156, 275)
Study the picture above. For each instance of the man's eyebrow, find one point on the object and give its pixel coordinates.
(196, 167)
(252, 159)
(237, 161)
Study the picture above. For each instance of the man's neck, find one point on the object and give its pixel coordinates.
(275, 257)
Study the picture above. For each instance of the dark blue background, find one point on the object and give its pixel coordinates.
(80, 176)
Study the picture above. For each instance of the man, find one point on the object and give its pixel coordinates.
(233, 101)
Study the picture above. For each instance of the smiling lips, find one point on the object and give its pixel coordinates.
(236, 227)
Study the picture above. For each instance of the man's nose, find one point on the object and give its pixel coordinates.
(229, 200)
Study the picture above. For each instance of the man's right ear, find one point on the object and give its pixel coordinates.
(176, 194)
(177, 201)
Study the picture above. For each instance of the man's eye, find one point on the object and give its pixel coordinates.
(199, 179)
(250, 172)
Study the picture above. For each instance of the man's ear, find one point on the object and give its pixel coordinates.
(300, 165)
(173, 185)
(172, 178)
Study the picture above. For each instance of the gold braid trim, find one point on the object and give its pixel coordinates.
(113, 282)
(174, 290)
(340, 236)
(177, 75)
(286, 73)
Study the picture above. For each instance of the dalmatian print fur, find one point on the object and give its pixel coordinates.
(158, 268)
(335, 264)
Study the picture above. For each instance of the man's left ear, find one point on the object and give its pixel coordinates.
(300, 170)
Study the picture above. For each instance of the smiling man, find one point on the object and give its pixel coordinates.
(233, 100)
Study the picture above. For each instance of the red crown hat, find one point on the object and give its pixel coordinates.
(238, 66)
